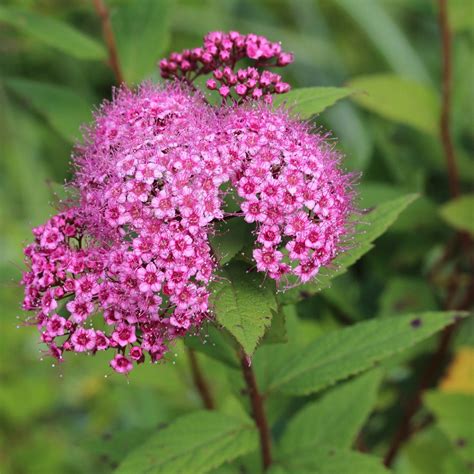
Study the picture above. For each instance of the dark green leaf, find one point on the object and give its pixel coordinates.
(214, 343)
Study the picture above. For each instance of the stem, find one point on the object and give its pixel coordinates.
(109, 38)
(404, 431)
(258, 411)
(446, 138)
(199, 381)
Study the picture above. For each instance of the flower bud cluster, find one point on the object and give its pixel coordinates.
(219, 56)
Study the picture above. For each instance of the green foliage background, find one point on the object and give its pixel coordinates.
(78, 418)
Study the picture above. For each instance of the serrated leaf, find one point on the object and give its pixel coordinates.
(193, 443)
(308, 101)
(335, 419)
(372, 225)
(53, 33)
(62, 107)
(214, 343)
(142, 34)
(341, 353)
(459, 213)
(399, 99)
(243, 303)
(329, 460)
(455, 416)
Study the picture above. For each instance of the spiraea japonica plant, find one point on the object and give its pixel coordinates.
(205, 215)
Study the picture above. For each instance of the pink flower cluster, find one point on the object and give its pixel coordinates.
(219, 55)
(128, 267)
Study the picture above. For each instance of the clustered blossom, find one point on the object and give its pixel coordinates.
(219, 55)
(133, 250)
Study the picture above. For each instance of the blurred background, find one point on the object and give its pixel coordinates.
(78, 418)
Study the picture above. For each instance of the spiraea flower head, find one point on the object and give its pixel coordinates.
(132, 253)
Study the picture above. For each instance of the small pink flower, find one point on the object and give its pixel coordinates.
(124, 335)
(80, 309)
(121, 364)
(101, 341)
(56, 325)
(83, 340)
(150, 278)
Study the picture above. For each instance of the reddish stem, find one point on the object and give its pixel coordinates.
(404, 431)
(200, 382)
(446, 138)
(109, 38)
(258, 411)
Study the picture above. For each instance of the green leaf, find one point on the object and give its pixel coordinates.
(459, 213)
(229, 238)
(142, 34)
(335, 419)
(372, 225)
(429, 452)
(328, 460)
(214, 343)
(455, 416)
(399, 99)
(276, 333)
(341, 353)
(461, 15)
(308, 101)
(53, 33)
(193, 443)
(243, 304)
(398, 50)
(62, 107)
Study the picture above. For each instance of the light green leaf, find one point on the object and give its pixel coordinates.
(429, 452)
(193, 443)
(53, 33)
(62, 107)
(372, 225)
(243, 304)
(335, 419)
(142, 34)
(459, 213)
(308, 101)
(399, 99)
(341, 353)
(328, 460)
(461, 15)
(454, 413)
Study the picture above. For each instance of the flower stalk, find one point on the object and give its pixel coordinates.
(258, 410)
